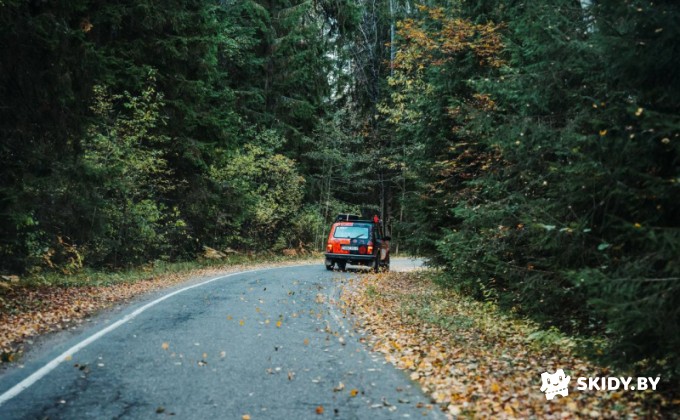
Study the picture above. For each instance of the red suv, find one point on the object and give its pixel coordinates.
(357, 242)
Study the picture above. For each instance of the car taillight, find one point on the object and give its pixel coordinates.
(362, 249)
(329, 247)
(370, 248)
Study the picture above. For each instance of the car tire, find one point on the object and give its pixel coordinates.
(329, 265)
(342, 266)
(376, 263)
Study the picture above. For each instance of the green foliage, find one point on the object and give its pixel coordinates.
(547, 183)
(282, 82)
(122, 155)
(305, 231)
(267, 189)
(123, 122)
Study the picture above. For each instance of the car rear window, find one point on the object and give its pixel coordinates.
(352, 232)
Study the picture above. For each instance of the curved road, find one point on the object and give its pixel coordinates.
(265, 343)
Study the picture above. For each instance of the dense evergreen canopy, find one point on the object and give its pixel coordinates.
(531, 150)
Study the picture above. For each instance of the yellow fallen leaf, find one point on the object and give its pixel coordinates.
(68, 358)
(278, 324)
(245, 417)
(306, 342)
(241, 322)
(319, 409)
(407, 362)
(353, 392)
(205, 356)
(165, 346)
(495, 388)
(454, 410)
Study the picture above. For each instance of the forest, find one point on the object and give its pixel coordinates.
(530, 150)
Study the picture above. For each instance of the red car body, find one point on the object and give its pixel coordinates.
(357, 241)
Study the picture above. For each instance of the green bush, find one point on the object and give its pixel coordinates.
(552, 181)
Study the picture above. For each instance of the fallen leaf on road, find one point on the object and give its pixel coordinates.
(353, 392)
(306, 342)
(339, 388)
(165, 346)
(319, 409)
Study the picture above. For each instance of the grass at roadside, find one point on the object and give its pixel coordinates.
(476, 361)
(51, 302)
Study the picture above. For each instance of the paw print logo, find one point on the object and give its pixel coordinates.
(555, 384)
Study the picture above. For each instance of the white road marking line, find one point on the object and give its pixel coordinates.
(49, 367)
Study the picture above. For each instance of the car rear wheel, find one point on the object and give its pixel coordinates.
(329, 265)
(342, 266)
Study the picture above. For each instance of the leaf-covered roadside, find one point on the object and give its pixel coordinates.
(27, 311)
(476, 361)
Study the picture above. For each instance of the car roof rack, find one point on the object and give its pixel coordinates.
(346, 217)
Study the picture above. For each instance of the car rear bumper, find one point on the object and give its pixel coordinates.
(350, 258)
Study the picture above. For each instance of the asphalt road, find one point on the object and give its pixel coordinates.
(266, 343)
